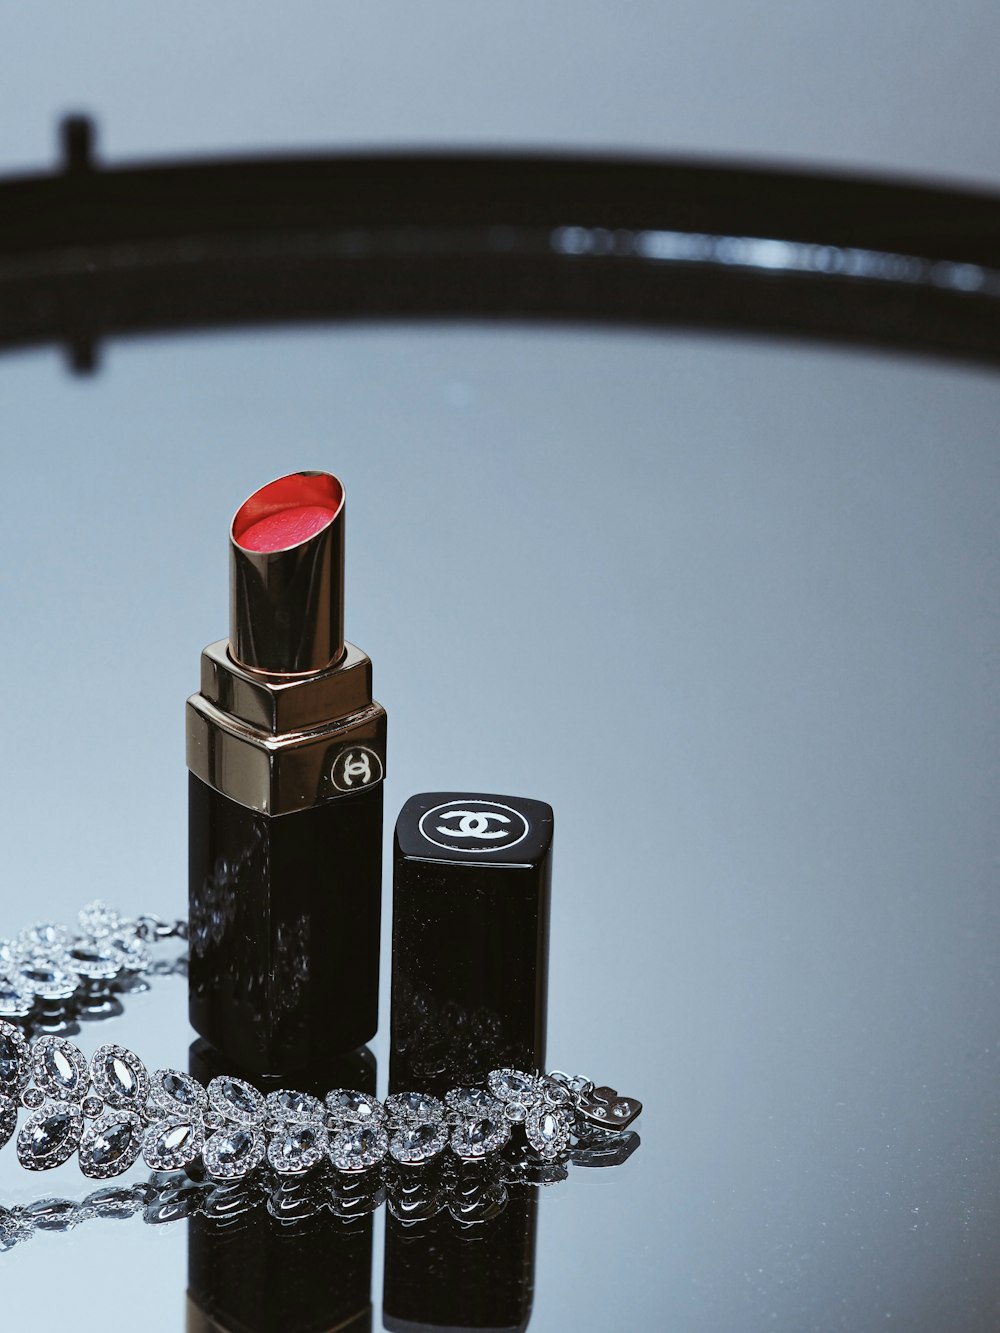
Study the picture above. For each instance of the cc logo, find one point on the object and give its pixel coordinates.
(355, 767)
(470, 825)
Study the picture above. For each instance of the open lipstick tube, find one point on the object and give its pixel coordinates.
(286, 751)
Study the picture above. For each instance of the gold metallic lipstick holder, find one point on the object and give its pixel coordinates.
(285, 718)
(268, 742)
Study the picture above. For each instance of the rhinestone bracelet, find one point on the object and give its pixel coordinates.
(110, 1111)
(471, 1195)
(50, 972)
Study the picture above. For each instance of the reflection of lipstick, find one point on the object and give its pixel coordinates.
(299, 1258)
(259, 1274)
(287, 753)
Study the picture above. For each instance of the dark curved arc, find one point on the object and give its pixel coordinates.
(87, 254)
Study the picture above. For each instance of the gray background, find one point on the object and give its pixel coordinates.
(730, 606)
(901, 85)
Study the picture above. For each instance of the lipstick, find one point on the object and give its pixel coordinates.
(286, 751)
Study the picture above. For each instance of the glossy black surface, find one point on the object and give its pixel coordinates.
(470, 938)
(285, 916)
(447, 1274)
(249, 1272)
(87, 254)
(776, 906)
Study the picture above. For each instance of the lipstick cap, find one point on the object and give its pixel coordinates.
(470, 938)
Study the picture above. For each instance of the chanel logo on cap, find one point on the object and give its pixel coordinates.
(470, 825)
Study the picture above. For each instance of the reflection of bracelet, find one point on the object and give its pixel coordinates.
(110, 1111)
(470, 1194)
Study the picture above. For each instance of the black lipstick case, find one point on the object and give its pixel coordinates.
(285, 913)
(286, 748)
(470, 938)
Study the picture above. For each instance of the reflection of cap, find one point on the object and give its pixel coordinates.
(470, 938)
(448, 1278)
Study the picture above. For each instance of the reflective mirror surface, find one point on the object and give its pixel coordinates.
(731, 608)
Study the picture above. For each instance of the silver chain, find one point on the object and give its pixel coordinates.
(151, 927)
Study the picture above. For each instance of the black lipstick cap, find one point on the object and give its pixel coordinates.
(470, 938)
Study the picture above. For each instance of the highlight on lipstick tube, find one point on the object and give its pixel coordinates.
(286, 751)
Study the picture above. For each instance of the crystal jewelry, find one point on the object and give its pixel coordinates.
(472, 1194)
(49, 970)
(109, 1111)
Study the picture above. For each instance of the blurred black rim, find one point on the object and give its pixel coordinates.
(88, 254)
